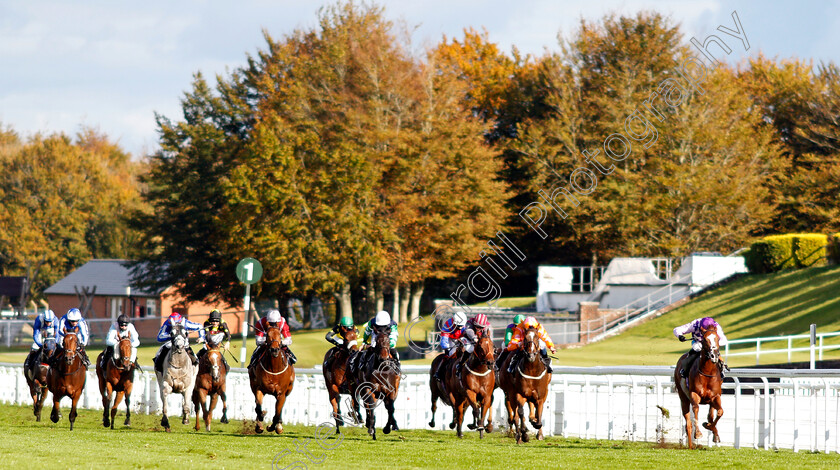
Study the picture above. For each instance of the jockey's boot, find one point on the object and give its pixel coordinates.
(30, 358)
(460, 364)
(513, 363)
(161, 356)
(192, 356)
(440, 369)
(692, 355)
(255, 355)
(85, 358)
(546, 360)
(501, 359)
(290, 355)
(225, 362)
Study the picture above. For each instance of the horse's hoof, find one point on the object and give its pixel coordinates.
(54, 418)
(258, 430)
(471, 427)
(452, 425)
(127, 422)
(489, 428)
(270, 428)
(208, 428)
(279, 429)
(168, 430)
(224, 420)
(431, 424)
(106, 423)
(716, 440)
(525, 437)
(386, 430)
(185, 421)
(707, 426)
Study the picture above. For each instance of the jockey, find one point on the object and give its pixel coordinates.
(696, 328)
(165, 336)
(451, 331)
(341, 329)
(216, 325)
(273, 319)
(508, 336)
(519, 335)
(119, 330)
(73, 320)
(475, 328)
(344, 326)
(45, 327)
(382, 319)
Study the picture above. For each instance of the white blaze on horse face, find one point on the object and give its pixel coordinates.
(713, 342)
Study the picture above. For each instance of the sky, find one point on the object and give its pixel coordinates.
(111, 65)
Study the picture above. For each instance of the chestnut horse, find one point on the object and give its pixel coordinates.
(272, 374)
(210, 382)
(116, 377)
(36, 376)
(379, 380)
(703, 387)
(474, 387)
(337, 378)
(527, 384)
(67, 378)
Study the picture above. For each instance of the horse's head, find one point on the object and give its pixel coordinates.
(530, 344)
(70, 343)
(214, 358)
(484, 350)
(352, 338)
(179, 337)
(273, 340)
(383, 341)
(124, 347)
(711, 348)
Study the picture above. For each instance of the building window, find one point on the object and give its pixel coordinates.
(151, 308)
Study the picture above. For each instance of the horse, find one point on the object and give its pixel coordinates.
(67, 378)
(272, 374)
(474, 387)
(703, 387)
(178, 375)
(36, 376)
(379, 380)
(338, 379)
(210, 381)
(116, 377)
(527, 384)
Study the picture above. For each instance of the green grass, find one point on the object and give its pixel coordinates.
(27, 444)
(757, 305)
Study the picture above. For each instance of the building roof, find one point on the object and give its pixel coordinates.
(110, 276)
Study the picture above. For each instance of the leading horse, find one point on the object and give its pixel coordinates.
(67, 378)
(527, 384)
(701, 386)
(272, 374)
(337, 377)
(379, 380)
(178, 375)
(116, 377)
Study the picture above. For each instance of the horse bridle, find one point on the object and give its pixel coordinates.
(114, 361)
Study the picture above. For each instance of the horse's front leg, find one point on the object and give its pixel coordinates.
(55, 414)
(695, 407)
(277, 421)
(523, 430)
(392, 422)
(186, 408)
(165, 390)
(106, 405)
(73, 412)
(39, 405)
(199, 399)
(686, 411)
(222, 395)
(117, 400)
(128, 387)
(208, 415)
(258, 397)
(716, 407)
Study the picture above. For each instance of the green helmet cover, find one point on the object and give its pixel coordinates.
(346, 322)
(518, 319)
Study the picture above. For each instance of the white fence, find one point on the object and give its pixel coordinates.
(793, 409)
(788, 347)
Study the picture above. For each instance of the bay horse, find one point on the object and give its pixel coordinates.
(702, 387)
(474, 387)
(67, 378)
(36, 376)
(337, 377)
(527, 384)
(379, 380)
(210, 382)
(272, 374)
(178, 375)
(116, 378)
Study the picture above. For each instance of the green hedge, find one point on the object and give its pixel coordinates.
(793, 250)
